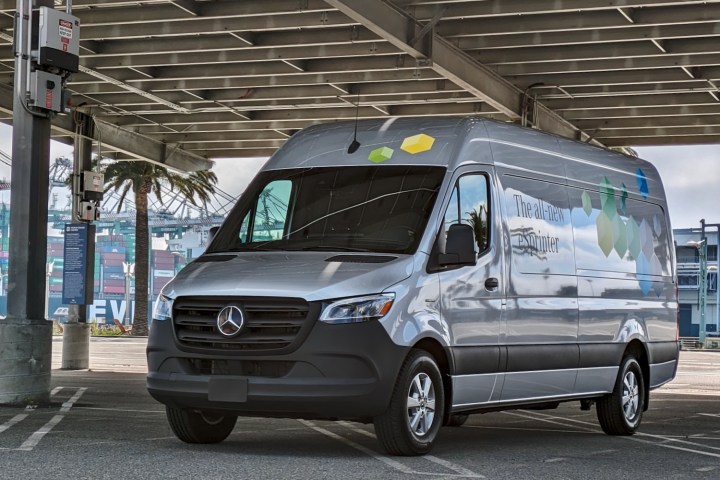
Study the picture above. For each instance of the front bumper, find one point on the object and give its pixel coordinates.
(338, 371)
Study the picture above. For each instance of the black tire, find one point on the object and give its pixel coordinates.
(457, 420)
(415, 414)
(620, 412)
(193, 426)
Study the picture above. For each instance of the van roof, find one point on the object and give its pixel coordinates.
(453, 141)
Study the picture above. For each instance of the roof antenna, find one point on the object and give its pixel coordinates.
(355, 144)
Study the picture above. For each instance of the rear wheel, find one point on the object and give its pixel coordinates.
(413, 419)
(194, 426)
(620, 412)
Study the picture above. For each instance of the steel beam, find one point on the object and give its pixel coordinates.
(494, 8)
(610, 64)
(137, 146)
(297, 79)
(637, 141)
(622, 77)
(629, 101)
(641, 112)
(144, 148)
(587, 37)
(694, 131)
(397, 28)
(216, 49)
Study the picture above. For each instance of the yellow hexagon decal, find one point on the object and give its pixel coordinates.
(417, 143)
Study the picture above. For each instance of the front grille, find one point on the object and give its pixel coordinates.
(246, 368)
(270, 323)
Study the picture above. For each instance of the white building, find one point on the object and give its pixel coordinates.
(689, 263)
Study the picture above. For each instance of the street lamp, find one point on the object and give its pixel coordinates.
(701, 247)
(703, 226)
(48, 272)
(129, 271)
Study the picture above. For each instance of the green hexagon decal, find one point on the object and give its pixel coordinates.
(607, 198)
(633, 238)
(656, 269)
(381, 154)
(619, 233)
(604, 233)
(623, 198)
(646, 240)
(586, 203)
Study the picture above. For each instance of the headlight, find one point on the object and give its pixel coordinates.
(163, 308)
(358, 309)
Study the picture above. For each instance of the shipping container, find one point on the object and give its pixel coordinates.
(108, 289)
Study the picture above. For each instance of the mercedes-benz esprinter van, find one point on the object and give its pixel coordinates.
(442, 267)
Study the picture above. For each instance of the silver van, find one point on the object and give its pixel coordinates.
(411, 272)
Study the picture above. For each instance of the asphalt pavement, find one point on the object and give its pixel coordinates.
(102, 424)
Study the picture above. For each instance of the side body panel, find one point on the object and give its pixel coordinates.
(625, 267)
(473, 311)
(541, 334)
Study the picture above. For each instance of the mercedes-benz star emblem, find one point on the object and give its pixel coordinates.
(230, 321)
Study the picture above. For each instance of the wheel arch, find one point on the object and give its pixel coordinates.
(638, 349)
(444, 363)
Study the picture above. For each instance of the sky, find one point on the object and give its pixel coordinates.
(690, 174)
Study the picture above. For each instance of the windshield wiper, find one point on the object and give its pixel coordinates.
(249, 248)
(329, 248)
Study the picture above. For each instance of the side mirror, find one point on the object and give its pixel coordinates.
(459, 246)
(211, 233)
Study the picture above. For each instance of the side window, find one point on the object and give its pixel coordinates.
(244, 234)
(270, 217)
(469, 204)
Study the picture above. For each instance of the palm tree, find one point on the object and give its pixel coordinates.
(478, 221)
(143, 178)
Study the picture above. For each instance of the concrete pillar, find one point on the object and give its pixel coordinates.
(76, 346)
(26, 335)
(26, 353)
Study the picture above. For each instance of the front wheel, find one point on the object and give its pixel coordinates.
(193, 426)
(413, 419)
(620, 412)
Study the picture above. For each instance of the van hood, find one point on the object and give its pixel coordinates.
(307, 275)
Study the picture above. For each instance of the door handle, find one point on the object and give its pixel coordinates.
(492, 283)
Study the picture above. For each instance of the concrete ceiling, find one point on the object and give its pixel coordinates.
(177, 81)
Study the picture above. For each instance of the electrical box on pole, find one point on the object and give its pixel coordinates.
(53, 53)
(45, 91)
(58, 39)
(88, 188)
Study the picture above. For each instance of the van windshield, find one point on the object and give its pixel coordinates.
(365, 209)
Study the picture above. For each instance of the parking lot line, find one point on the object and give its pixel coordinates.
(16, 419)
(386, 460)
(666, 441)
(35, 438)
(462, 471)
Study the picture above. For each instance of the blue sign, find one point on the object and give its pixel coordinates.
(75, 264)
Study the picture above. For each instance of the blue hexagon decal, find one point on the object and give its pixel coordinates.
(642, 183)
(642, 268)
